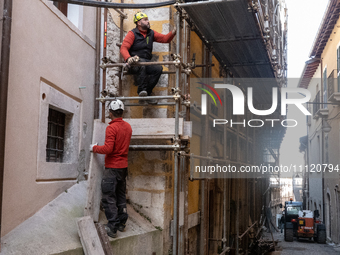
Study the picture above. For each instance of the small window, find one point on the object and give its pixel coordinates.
(61, 6)
(73, 12)
(55, 136)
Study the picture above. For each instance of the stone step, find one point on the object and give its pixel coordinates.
(53, 230)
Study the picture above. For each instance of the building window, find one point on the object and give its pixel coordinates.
(61, 6)
(73, 12)
(59, 130)
(55, 136)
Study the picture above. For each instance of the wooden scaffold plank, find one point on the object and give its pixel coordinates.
(89, 237)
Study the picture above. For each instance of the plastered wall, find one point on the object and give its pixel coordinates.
(45, 47)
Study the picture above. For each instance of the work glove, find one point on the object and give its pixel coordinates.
(174, 31)
(132, 60)
(91, 146)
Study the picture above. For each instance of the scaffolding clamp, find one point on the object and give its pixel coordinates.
(182, 153)
(176, 92)
(187, 71)
(187, 103)
(177, 60)
(176, 146)
(102, 99)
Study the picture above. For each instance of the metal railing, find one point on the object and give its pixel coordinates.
(316, 103)
(332, 82)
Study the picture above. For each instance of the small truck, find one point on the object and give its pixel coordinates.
(310, 227)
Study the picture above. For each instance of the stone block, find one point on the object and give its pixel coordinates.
(156, 14)
(141, 198)
(147, 183)
(155, 214)
(160, 47)
(152, 112)
(152, 155)
(157, 200)
(163, 81)
(166, 28)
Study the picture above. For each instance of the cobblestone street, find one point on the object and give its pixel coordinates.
(302, 247)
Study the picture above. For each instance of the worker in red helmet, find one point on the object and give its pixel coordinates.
(137, 46)
(116, 148)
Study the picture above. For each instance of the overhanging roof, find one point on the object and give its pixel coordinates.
(234, 35)
(329, 20)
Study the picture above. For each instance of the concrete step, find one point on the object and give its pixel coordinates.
(53, 230)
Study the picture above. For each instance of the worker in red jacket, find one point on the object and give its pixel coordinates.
(137, 46)
(116, 148)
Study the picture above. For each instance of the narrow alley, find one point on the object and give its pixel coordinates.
(301, 247)
(169, 127)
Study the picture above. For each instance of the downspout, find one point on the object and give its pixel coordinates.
(97, 68)
(104, 55)
(322, 145)
(4, 75)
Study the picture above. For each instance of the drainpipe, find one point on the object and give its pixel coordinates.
(322, 145)
(4, 74)
(104, 55)
(97, 69)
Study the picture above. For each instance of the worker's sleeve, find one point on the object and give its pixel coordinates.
(160, 38)
(126, 45)
(110, 139)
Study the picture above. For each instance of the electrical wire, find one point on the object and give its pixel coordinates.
(116, 5)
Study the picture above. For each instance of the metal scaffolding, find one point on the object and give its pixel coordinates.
(180, 148)
(177, 147)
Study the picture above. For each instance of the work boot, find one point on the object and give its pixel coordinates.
(152, 101)
(143, 93)
(111, 232)
(121, 227)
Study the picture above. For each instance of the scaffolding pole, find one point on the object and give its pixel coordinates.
(155, 147)
(178, 73)
(110, 65)
(137, 98)
(177, 97)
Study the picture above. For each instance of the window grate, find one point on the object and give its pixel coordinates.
(55, 136)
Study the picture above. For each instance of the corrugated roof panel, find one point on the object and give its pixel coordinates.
(234, 35)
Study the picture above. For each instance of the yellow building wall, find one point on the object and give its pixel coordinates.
(329, 54)
(196, 46)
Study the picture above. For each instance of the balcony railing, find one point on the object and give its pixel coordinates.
(316, 103)
(333, 83)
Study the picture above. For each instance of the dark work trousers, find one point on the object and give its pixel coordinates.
(146, 77)
(113, 196)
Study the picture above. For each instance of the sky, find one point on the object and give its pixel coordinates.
(304, 18)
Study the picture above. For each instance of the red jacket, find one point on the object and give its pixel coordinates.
(117, 141)
(130, 38)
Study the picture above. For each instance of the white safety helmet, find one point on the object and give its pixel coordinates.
(116, 105)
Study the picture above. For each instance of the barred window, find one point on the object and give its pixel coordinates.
(55, 136)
